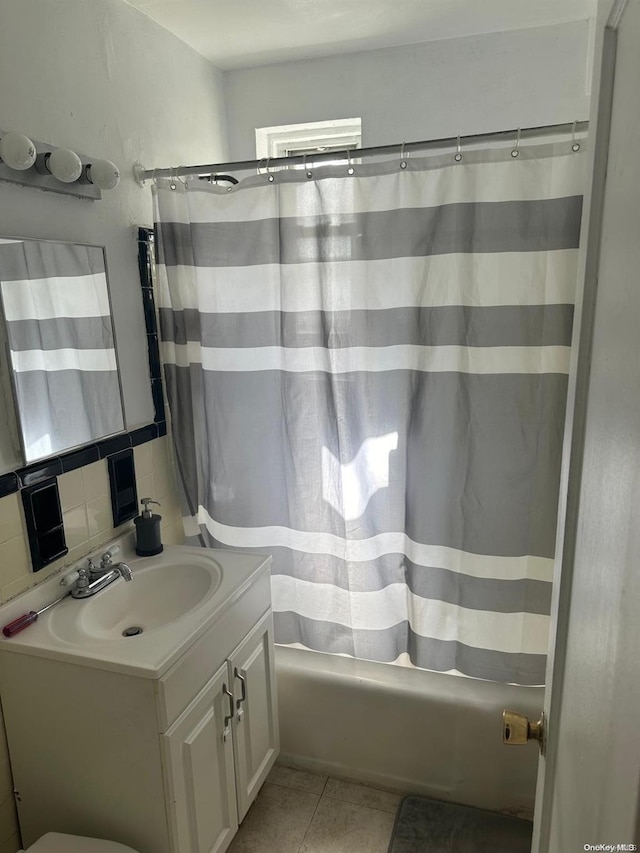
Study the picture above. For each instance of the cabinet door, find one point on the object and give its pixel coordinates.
(198, 752)
(256, 734)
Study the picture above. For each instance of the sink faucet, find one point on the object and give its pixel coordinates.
(91, 579)
(124, 570)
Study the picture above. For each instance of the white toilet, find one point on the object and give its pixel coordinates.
(55, 842)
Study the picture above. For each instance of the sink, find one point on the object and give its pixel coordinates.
(159, 593)
(142, 626)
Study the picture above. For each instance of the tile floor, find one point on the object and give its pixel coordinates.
(300, 812)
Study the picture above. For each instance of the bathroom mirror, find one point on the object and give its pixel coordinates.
(59, 341)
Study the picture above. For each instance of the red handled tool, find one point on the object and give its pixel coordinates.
(27, 619)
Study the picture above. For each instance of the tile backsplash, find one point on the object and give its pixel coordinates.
(86, 511)
(88, 524)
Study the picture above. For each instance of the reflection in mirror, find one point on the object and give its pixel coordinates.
(11, 456)
(59, 337)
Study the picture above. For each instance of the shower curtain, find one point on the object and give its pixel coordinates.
(366, 369)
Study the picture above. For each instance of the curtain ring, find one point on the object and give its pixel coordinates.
(576, 145)
(308, 172)
(173, 185)
(458, 155)
(516, 150)
(260, 161)
(270, 177)
(350, 170)
(403, 162)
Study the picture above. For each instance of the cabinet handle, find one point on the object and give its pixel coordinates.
(228, 693)
(243, 684)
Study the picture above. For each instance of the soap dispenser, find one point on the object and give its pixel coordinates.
(148, 539)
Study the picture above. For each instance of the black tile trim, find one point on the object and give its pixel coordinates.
(9, 484)
(113, 445)
(46, 543)
(158, 400)
(32, 475)
(146, 239)
(146, 236)
(144, 434)
(154, 356)
(45, 470)
(149, 308)
(79, 458)
(124, 495)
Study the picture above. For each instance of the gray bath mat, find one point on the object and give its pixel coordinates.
(429, 826)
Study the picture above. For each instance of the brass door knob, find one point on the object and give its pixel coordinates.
(518, 729)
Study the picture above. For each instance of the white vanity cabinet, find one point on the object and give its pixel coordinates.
(218, 752)
(256, 734)
(166, 762)
(200, 772)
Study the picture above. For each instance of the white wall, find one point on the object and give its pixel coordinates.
(102, 78)
(423, 91)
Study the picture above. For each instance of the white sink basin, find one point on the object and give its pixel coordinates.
(173, 598)
(159, 594)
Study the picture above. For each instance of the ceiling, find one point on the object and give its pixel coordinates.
(243, 33)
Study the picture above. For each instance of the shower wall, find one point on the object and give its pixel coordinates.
(475, 84)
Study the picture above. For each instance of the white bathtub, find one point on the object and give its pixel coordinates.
(420, 732)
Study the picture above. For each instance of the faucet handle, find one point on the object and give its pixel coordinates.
(78, 576)
(83, 577)
(107, 558)
(69, 578)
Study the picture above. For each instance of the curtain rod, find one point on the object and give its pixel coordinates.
(524, 134)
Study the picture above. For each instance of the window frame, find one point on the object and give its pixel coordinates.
(285, 140)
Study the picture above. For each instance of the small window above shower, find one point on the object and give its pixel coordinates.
(317, 137)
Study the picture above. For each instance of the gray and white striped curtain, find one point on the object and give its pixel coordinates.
(59, 332)
(367, 377)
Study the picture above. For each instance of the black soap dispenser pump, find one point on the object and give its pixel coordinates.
(148, 539)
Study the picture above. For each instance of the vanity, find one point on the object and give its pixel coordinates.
(146, 713)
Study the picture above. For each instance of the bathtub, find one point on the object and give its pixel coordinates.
(414, 731)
